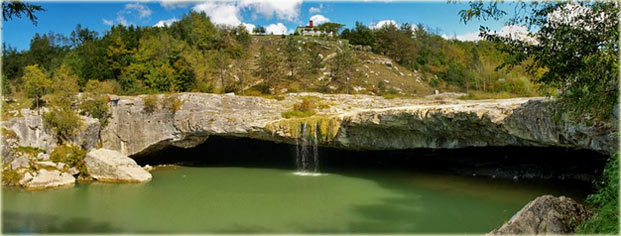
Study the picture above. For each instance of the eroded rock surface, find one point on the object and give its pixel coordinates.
(44, 179)
(351, 122)
(360, 122)
(111, 166)
(546, 215)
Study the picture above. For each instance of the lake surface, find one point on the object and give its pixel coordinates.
(263, 200)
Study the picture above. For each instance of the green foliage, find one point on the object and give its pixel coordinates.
(9, 134)
(293, 56)
(97, 87)
(330, 27)
(28, 150)
(270, 70)
(12, 9)
(584, 67)
(342, 67)
(172, 102)
(605, 202)
(150, 103)
(63, 121)
(303, 109)
(10, 177)
(360, 35)
(71, 155)
(36, 82)
(96, 107)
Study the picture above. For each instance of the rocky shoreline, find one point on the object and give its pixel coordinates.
(355, 122)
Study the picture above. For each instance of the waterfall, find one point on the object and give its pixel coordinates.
(306, 151)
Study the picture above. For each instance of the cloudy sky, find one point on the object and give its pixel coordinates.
(278, 16)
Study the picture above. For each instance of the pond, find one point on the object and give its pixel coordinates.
(266, 200)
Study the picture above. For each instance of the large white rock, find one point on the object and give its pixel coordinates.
(45, 179)
(112, 166)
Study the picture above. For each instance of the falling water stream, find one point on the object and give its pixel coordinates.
(307, 152)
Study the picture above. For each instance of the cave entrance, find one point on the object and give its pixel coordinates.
(523, 163)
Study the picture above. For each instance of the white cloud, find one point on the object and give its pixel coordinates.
(381, 24)
(108, 22)
(143, 11)
(313, 10)
(163, 23)
(471, 36)
(222, 13)
(121, 19)
(319, 19)
(276, 29)
(283, 10)
(249, 27)
(135, 11)
(172, 4)
(516, 32)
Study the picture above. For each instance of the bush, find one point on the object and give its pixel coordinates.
(96, 107)
(150, 103)
(10, 177)
(172, 103)
(28, 150)
(605, 203)
(71, 155)
(303, 109)
(9, 134)
(63, 121)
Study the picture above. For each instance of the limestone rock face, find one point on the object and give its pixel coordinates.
(358, 122)
(31, 132)
(111, 166)
(44, 179)
(546, 215)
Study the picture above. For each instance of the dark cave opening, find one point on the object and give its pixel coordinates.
(524, 163)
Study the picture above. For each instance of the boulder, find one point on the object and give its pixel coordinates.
(44, 179)
(19, 162)
(546, 215)
(112, 166)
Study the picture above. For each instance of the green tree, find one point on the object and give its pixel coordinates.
(342, 67)
(330, 27)
(584, 67)
(36, 83)
(16, 8)
(270, 70)
(293, 56)
(221, 64)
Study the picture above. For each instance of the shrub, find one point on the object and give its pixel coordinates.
(63, 121)
(150, 103)
(605, 202)
(96, 107)
(10, 177)
(303, 109)
(172, 103)
(71, 155)
(28, 150)
(9, 134)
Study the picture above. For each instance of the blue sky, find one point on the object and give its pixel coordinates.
(276, 15)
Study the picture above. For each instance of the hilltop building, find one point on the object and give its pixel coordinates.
(310, 30)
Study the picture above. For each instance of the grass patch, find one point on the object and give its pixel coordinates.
(150, 103)
(172, 103)
(305, 108)
(9, 134)
(478, 95)
(29, 151)
(71, 155)
(10, 177)
(605, 203)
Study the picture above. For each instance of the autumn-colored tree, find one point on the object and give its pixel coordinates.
(36, 83)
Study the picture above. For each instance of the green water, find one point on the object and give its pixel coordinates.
(243, 200)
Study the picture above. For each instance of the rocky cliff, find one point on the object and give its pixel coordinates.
(358, 122)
